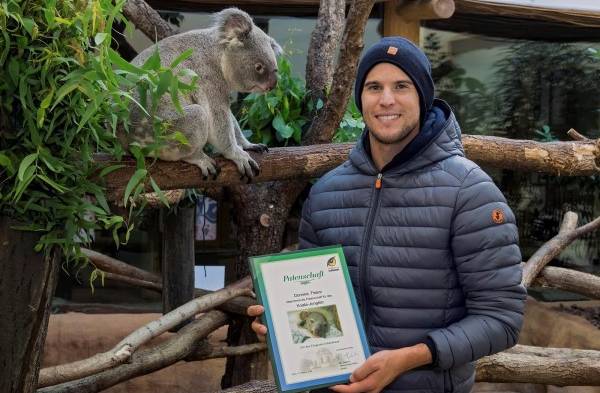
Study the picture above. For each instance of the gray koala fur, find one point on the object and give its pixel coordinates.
(231, 55)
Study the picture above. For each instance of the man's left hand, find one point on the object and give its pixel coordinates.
(380, 369)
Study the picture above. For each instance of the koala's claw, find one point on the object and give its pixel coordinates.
(259, 147)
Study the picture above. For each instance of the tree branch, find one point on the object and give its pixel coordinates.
(147, 20)
(553, 247)
(124, 349)
(147, 360)
(322, 48)
(328, 119)
(112, 265)
(569, 280)
(548, 366)
(578, 158)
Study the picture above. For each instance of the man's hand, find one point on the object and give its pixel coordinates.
(259, 328)
(380, 369)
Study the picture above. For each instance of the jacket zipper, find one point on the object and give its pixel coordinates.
(363, 278)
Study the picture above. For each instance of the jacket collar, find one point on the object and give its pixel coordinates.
(438, 139)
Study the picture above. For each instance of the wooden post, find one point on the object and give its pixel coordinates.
(27, 282)
(404, 18)
(177, 257)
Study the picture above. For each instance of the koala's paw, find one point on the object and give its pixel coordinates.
(246, 166)
(207, 165)
(258, 147)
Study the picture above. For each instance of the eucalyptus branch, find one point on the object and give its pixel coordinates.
(124, 349)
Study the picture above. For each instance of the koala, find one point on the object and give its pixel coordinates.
(233, 55)
(314, 322)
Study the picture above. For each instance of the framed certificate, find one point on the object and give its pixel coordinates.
(315, 334)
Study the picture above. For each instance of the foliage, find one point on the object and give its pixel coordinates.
(552, 84)
(279, 117)
(64, 95)
(474, 106)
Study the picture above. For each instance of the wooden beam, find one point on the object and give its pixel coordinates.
(573, 158)
(395, 25)
(425, 10)
(177, 258)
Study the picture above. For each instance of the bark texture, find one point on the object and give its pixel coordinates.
(569, 280)
(27, 281)
(578, 158)
(553, 247)
(147, 360)
(147, 20)
(322, 48)
(327, 120)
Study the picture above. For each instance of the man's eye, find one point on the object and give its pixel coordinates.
(373, 87)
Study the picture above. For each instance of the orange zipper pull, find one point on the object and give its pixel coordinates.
(378, 181)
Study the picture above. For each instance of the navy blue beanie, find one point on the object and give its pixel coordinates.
(404, 54)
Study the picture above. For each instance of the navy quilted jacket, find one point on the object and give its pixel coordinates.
(431, 253)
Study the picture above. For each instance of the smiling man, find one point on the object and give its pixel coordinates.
(429, 240)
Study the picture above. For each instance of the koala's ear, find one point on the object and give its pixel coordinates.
(276, 48)
(234, 25)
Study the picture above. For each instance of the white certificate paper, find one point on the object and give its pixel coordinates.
(315, 334)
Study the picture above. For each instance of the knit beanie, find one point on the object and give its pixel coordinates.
(407, 56)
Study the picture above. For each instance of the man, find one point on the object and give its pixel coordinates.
(430, 242)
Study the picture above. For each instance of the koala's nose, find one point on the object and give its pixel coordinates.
(272, 82)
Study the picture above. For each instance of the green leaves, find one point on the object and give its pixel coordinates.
(64, 96)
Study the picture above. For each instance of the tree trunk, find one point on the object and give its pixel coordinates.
(27, 282)
(177, 258)
(261, 212)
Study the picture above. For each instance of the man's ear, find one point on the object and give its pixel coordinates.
(234, 26)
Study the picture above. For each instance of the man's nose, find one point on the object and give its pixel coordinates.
(386, 98)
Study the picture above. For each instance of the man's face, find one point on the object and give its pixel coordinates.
(390, 104)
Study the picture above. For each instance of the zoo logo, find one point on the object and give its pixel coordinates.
(332, 265)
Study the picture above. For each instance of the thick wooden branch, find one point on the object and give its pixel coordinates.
(424, 10)
(577, 158)
(585, 284)
(147, 20)
(327, 120)
(112, 265)
(322, 49)
(548, 366)
(124, 349)
(213, 351)
(522, 363)
(133, 281)
(147, 360)
(553, 247)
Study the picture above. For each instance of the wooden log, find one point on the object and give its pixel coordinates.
(124, 350)
(569, 280)
(589, 18)
(572, 158)
(395, 25)
(147, 360)
(110, 264)
(561, 368)
(27, 282)
(424, 10)
(566, 235)
(177, 257)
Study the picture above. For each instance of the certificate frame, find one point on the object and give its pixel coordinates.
(315, 333)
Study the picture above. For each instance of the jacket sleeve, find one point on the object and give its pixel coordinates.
(306, 233)
(487, 259)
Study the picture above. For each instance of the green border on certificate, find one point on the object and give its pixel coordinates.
(315, 333)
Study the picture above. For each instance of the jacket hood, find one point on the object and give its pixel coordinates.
(437, 140)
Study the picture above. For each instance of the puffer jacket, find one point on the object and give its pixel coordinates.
(432, 251)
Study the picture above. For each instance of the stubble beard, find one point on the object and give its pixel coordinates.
(395, 138)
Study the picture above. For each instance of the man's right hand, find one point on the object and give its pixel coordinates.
(259, 328)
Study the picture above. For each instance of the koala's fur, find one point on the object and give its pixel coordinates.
(315, 322)
(232, 55)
